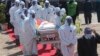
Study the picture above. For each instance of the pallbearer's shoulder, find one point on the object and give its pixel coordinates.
(73, 27)
(62, 27)
(13, 7)
(39, 6)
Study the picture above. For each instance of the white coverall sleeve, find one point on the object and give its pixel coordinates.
(42, 13)
(10, 11)
(30, 8)
(15, 15)
(40, 10)
(34, 29)
(74, 40)
(63, 38)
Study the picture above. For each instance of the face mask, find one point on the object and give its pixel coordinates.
(46, 5)
(25, 12)
(88, 36)
(17, 4)
(34, 2)
(68, 20)
(22, 6)
(58, 13)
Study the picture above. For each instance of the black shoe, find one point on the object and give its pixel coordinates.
(17, 42)
(58, 53)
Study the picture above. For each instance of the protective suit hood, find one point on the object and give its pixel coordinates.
(47, 4)
(46, 1)
(26, 11)
(17, 2)
(57, 11)
(68, 21)
(34, 2)
(62, 11)
(22, 5)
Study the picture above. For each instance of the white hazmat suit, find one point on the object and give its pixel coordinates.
(12, 11)
(68, 38)
(18, 16)
(62, 11)
(48, 12)
(37, 8)
(57, 20)
(30, 46)
(23, 39)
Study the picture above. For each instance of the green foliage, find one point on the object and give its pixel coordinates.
(2, 7)
(2, 14)
(2, 18)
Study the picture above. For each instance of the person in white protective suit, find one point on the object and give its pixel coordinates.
(24, 16)
(62, 11)
(63, 15)
(17, 15)
(37, 8)
(48, 12)
(57, 20)
(67, 35)
(12, 11)
(30, 46)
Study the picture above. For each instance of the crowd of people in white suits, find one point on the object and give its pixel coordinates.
(23, 20)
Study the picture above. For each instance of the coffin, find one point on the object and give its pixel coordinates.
(47, 32)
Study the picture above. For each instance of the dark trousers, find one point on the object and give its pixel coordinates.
(8, 21)
(16, 41)
(98, 16)
(98, 10)
(87, 17)
(58, 53)
(74, 19)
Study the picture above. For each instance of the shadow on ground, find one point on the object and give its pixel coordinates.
(9, 42)
(10, 47)
(16, 54)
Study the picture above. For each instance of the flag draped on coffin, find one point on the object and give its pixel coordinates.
(38, 22)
